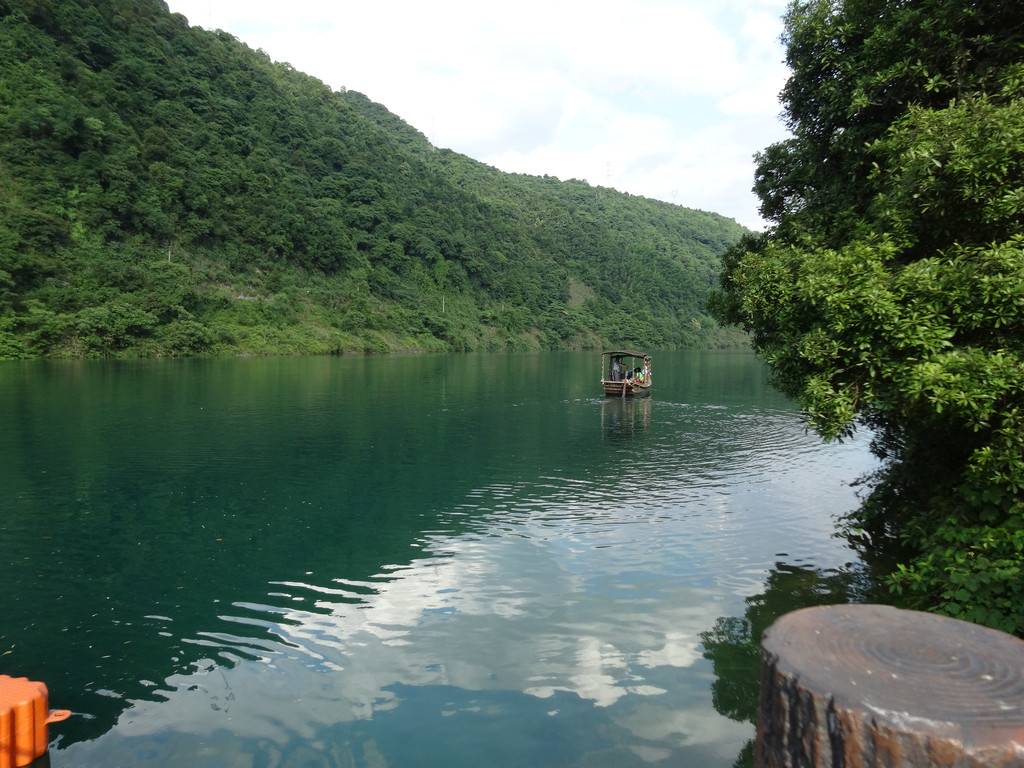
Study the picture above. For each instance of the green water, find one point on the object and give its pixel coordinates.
(407, 561)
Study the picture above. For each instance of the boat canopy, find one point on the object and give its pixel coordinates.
(626, 353)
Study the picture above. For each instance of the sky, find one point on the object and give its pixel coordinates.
(666, 99)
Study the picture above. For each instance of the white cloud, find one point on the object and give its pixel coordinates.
(667, 99)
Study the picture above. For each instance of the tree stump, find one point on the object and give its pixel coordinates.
(857, 686)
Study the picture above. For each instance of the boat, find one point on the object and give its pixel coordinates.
(626, 373)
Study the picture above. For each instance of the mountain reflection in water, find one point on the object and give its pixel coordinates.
(400, 561)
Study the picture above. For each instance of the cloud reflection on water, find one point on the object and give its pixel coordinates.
(573, 600)
(535, 613)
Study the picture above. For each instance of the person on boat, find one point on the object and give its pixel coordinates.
(616, 370)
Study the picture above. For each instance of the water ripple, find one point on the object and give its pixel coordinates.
(428, 572)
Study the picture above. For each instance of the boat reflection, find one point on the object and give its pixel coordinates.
(624, 417)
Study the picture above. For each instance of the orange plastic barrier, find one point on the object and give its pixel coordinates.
(24, 715)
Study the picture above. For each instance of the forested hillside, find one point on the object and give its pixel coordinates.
(165, 190)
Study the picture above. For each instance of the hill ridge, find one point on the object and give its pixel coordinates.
(156, 179)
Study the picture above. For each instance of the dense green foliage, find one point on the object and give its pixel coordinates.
(165, 190)
(890, 287)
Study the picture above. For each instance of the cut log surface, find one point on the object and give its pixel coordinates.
(859, 686)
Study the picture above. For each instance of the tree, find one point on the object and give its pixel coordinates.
(889, 289)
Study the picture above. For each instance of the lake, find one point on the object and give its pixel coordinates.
(418, 560)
